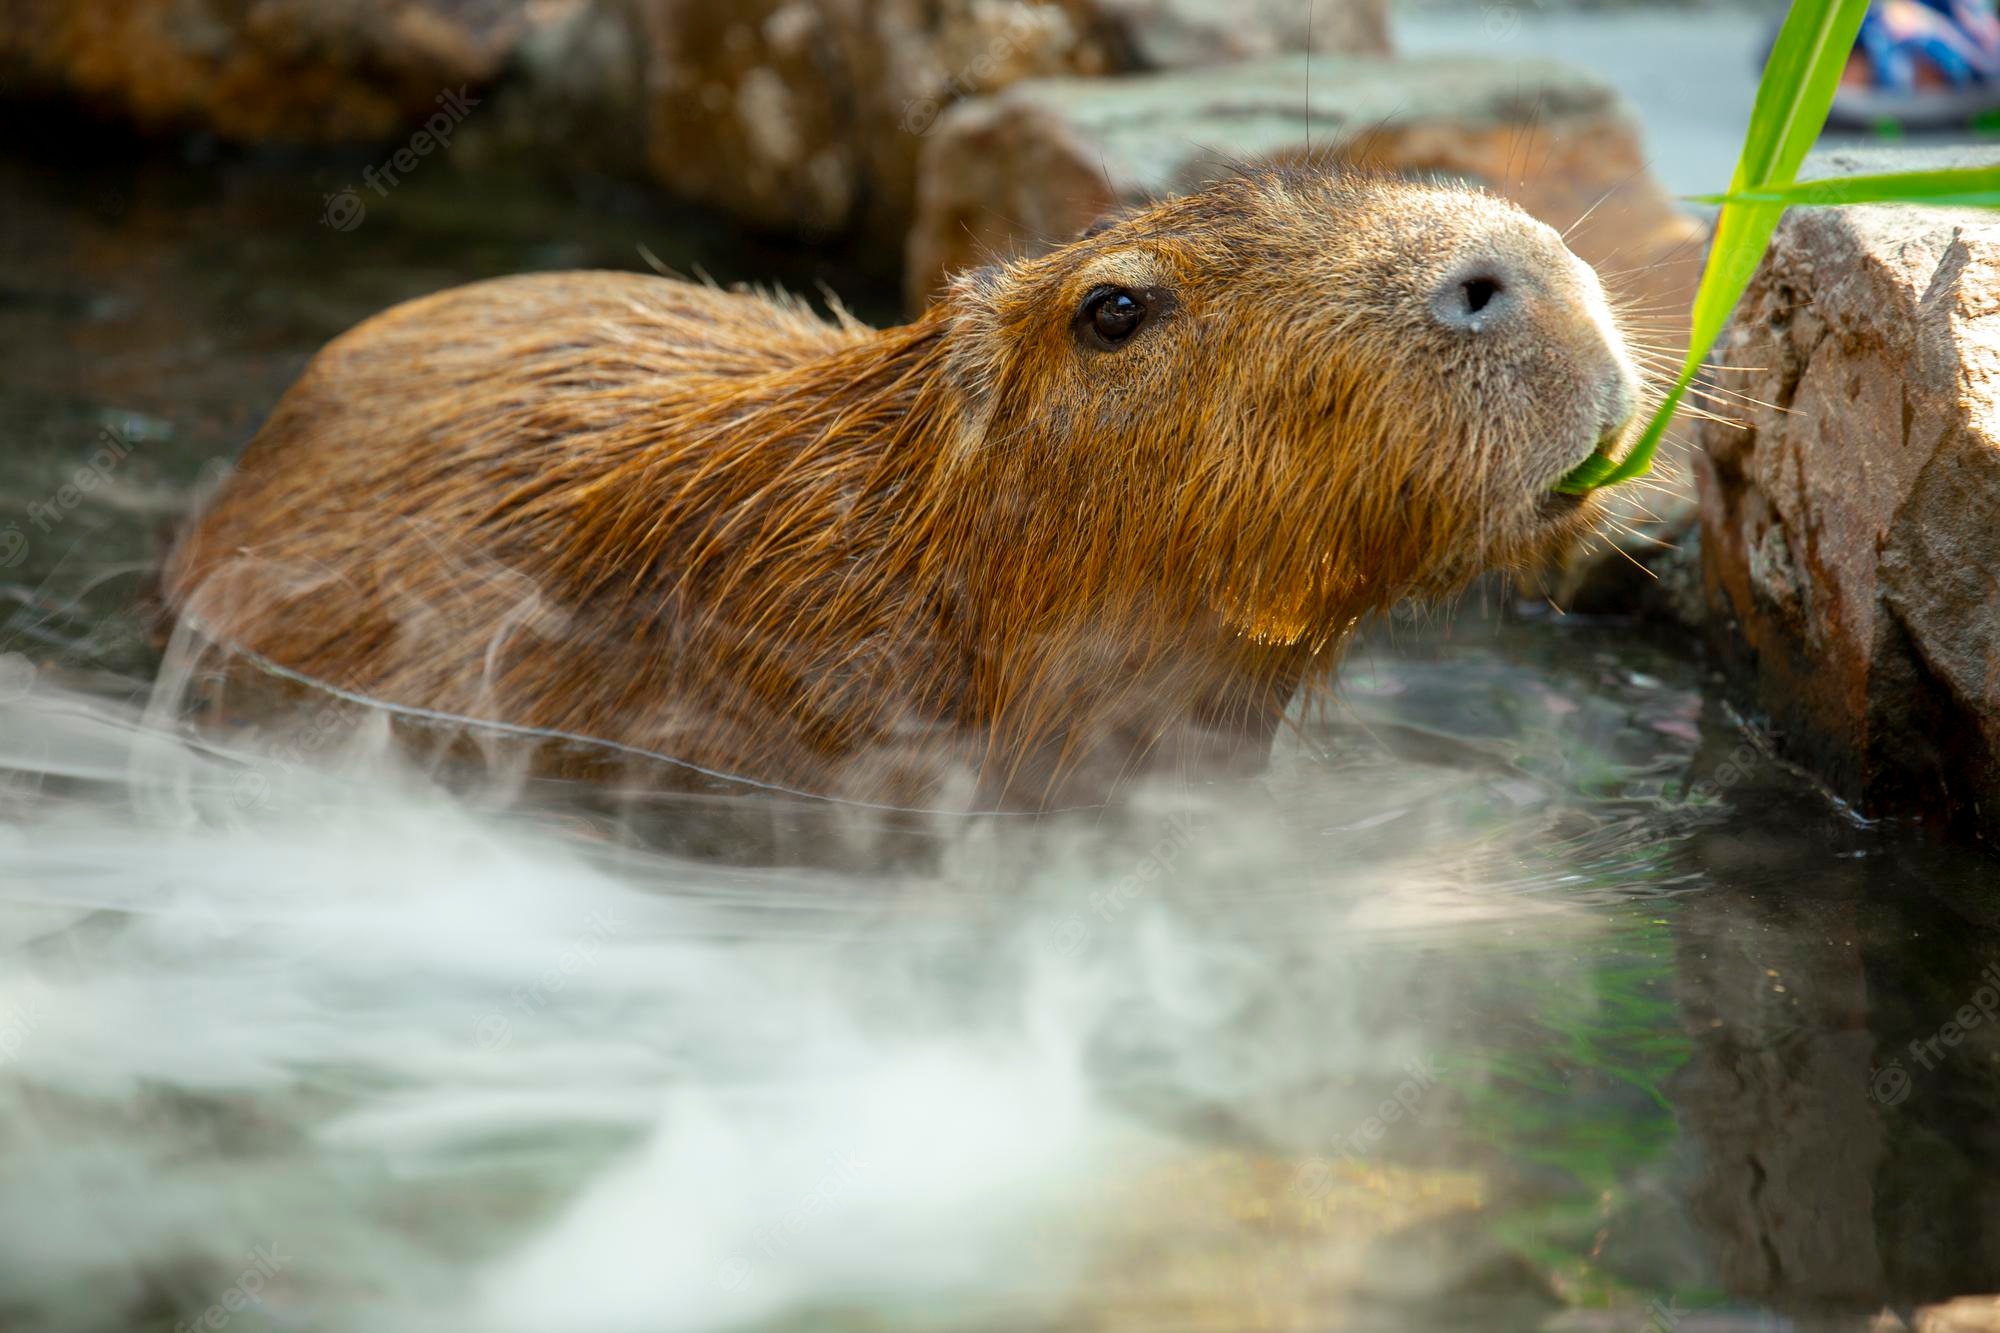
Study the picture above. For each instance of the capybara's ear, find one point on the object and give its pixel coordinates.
(1106, 221)
(975, 357)
(983, 281)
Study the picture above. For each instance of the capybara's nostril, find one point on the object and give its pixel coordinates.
(1474, 298)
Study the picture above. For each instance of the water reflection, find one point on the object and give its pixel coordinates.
(1846, 1153)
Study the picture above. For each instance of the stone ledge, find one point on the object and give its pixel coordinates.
(1851, 527)
(1032, 166)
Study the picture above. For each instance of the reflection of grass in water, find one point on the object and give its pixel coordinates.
(1581, 1097)
(1567, 1088)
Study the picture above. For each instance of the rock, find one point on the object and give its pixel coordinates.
(795, 115)
(1967, 1314)
(1180, 34)
(1227, 1240)
(574, 95)
(1851, 528)
(808, 115)
(1027, 169)
(1787, 1148)
(1666, 1316)
(295, 71)
(1645, 559)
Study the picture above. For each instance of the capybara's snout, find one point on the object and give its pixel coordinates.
(1510, 289)
(1510, 367)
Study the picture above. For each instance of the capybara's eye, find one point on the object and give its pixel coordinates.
(1111, 315)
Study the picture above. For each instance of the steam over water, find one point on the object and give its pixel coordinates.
(297, 1019)
(436, 1060)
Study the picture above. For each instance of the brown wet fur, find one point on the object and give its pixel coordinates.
(974, 559)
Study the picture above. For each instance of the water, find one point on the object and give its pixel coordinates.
(1525, 991)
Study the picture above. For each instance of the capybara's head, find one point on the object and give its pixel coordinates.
(1298, 394)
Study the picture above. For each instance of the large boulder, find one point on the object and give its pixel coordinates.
(808, 115)
(1183, 34)
(1031, 167)
(796, 115)
(295, 71)
(1851, 523)
(1967, 1314)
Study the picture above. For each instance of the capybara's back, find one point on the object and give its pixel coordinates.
(1092, 514)
(433, 513)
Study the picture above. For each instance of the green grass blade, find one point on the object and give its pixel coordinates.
(1799, 82)
(1793, 96)
(1975, 187)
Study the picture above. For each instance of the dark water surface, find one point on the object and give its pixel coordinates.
(1524, 992)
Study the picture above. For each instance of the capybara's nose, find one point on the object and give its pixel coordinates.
(1479, 295)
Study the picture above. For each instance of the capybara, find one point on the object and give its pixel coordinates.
(1092, 514)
